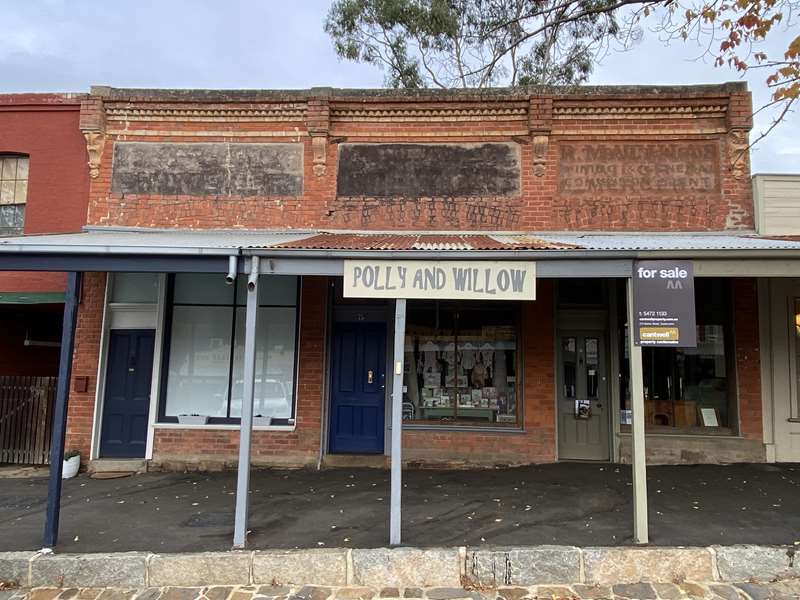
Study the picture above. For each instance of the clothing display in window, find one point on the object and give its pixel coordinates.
(454, 353)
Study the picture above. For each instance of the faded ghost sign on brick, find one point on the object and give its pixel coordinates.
(638, 167)
(208, 169)
(429, 170)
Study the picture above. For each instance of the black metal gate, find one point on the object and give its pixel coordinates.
(26, 419)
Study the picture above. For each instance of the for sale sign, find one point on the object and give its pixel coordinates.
(663, 303)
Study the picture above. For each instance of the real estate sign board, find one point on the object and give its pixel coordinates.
(663, 303)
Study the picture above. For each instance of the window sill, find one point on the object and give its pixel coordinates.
(724, 433)
(467, 428)
(223, 426)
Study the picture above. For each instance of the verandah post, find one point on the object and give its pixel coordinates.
(71, 297)
(397, 421)
(640, 528)
(246, 427)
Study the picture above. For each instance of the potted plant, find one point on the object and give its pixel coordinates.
(72, 462)
(193, 419)
(261, 421)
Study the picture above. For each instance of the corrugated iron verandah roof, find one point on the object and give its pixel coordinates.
(421, 241)
(114, 241)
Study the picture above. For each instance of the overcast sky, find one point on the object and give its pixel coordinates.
(68, 45)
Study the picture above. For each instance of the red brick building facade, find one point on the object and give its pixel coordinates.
(42, 131)
(541, 167)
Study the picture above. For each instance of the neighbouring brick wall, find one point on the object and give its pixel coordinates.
(748, 358)
(177, 448)
(45, 128)
(536, 444)
(84, 362)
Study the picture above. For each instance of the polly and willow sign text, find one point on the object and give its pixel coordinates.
(663, 303)
(453, 280)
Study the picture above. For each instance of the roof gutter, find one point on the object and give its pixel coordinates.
(518, 254)
(110, 250)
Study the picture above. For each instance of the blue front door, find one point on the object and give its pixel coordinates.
(126, 404)
(358, 382)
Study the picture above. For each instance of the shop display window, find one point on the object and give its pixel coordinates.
(461, 364)
(204, 349)
(689, 390)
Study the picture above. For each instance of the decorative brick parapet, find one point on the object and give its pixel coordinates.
(663, 193)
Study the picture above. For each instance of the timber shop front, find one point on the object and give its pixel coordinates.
(348, 277)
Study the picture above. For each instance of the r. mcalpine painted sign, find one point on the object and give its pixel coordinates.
(663, 303)
(444, 279)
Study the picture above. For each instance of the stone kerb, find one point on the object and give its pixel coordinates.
(534, 565)
(15, 567)
(608, 566)
(756, 563)
(327, 567)
(221, 568)
(484, 568)
(417, 567)
(123, 569)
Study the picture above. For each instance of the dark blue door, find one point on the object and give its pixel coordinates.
(358, 382)
(127, 399)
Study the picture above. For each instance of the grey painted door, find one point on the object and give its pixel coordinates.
(583, 407)
(785, 358)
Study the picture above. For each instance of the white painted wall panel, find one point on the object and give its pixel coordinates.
(777, 204)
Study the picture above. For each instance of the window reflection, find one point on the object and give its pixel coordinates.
(461, 363)
(591, 349)
(205, 348)
(688, 388)
(570, 366)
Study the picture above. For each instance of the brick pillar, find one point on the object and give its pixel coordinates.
(84, 363)
(737, 190)
(748, 357)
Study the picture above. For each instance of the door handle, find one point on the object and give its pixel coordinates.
(369, 376)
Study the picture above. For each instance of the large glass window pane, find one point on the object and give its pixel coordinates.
(206, 352)
(461, 364)
(12, 218)
(690, 389)
(202, 288)
(199, 361)
(280, 290)
(569, 357)
(592, 356)
(8, 168)
(135, 287)
(274, 386)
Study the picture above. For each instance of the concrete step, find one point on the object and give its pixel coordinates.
(117, 465)
(373, 461)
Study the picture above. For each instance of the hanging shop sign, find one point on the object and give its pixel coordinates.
(444, 279)
(663, 303)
